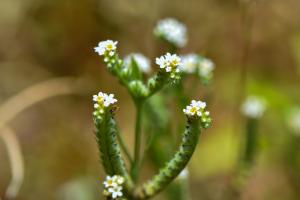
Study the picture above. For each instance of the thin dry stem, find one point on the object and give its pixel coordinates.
(33, 95)
(16, 162)
(12, 107)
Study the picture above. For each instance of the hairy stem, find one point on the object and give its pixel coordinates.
(110, 155)
(156, 83)
(179, 161)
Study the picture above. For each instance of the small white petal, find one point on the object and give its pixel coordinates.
(199, 113)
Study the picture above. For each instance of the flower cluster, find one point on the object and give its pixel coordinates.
(106, 48)
(206, 67)
(189, 63)
(102, 101)
(113, 186)
(194, 64)
(142, 62)
(294, 121)
(172, 31)
(197, 109)
(170, 63)
(253, 107)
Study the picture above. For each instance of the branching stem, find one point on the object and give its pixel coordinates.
(124, 147)
(137, 145)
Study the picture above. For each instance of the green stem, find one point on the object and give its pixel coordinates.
(109, 149)
(137, 145)
(179, 161)
(182, 99)
(250, 143)
(124, 147)
(156, 83)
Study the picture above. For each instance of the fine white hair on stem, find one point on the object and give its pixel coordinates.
(16, 162)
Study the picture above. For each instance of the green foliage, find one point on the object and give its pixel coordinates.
(157, 120)
(178, 162)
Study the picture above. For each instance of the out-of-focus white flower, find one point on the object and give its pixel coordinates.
(102, 100)
(142, 61)
(189, 63)
(172, 31)
(206, 67)
(170, 63)
(107, 47)
(253, 107)
(294, 121)
(195, 108)
(113, 186)
(184, 174)
(116, 191)
(118, 179)
(110, 182)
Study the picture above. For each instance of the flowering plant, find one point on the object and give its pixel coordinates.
(120, 182)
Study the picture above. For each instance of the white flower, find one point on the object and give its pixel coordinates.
(118, 179)
(142, 61)
(169, 62)
(116, 192)
(195, 108)
(102, 100)
(206, 67)
(294, 121)
(189, 63)
(110, 182)
(253, 107)
(172, 31)
(113, 186)
(161, 61)
(106, 47)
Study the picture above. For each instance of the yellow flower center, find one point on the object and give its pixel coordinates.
(109, 182)
(174, 63)
(193, 110)
(100, 99)
(109, 47)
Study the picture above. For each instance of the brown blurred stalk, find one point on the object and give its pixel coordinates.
(18, 103)
(246, 21)
(16, 161)
(33, 95)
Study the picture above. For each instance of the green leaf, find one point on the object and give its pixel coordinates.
(135, 71)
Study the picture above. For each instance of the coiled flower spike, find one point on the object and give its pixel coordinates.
(197, 118)
(169, 65)
(106, 136)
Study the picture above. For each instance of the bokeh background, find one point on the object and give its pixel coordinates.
(254, 44)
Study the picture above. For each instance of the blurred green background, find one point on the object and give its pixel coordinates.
(44, 39)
